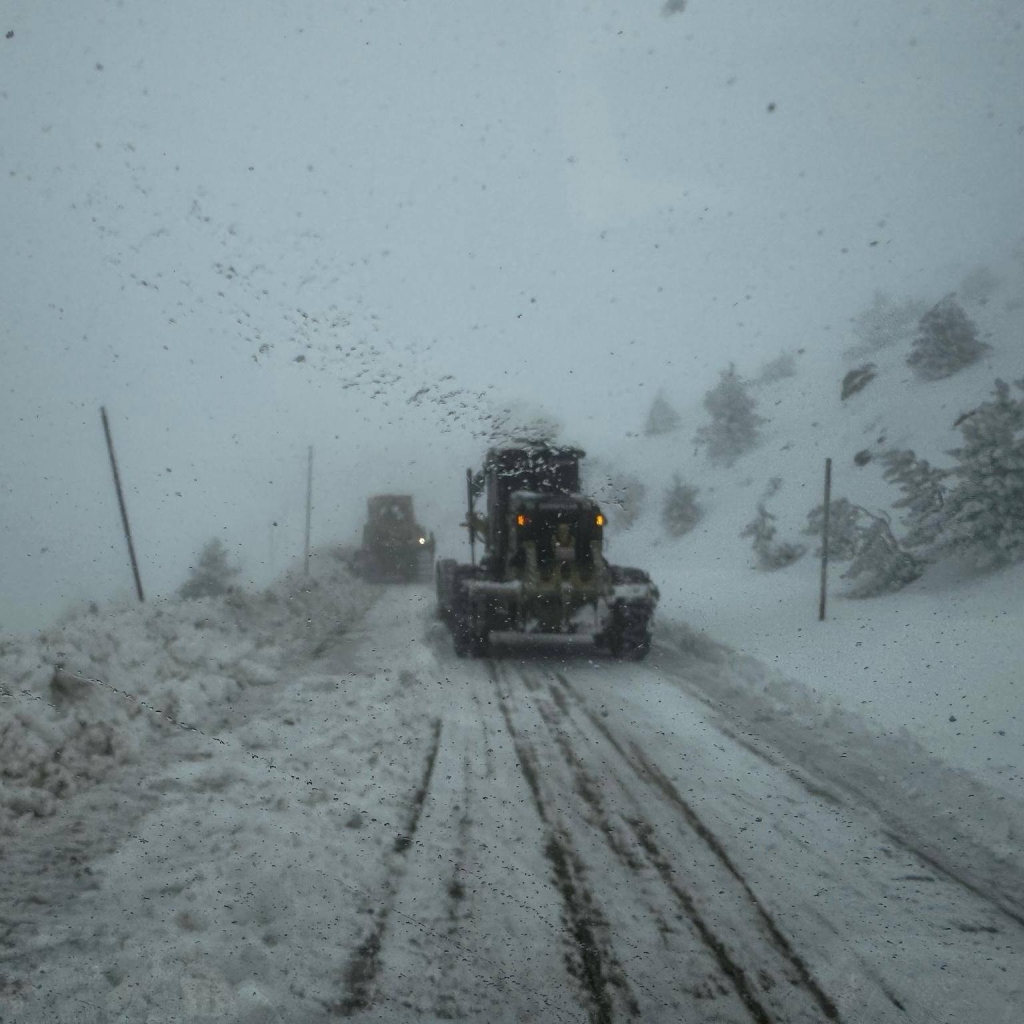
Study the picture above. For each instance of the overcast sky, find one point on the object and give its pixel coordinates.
(439, 208)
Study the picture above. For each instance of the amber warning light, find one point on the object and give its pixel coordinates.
(521, 520)
(599, 519)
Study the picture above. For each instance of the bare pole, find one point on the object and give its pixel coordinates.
(121, 504)
(824, 539)
(309, 507)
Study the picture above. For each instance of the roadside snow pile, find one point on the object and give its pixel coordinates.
(87, 695)
(265, 858)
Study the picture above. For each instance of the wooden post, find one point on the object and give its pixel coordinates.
(309, 508)
(824, 539)
(121, 504)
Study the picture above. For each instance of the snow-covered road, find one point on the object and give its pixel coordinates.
(390, 833)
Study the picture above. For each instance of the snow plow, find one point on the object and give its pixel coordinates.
(543, 569)
(395, 549)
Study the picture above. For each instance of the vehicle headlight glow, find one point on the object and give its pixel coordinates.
(423, 540)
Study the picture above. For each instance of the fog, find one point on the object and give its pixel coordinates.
(245, 230)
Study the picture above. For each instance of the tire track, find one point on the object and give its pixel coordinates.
(643, 834)
(446, 1005)
(973, 859)
(588, 956)
(649, 774)
(428, 961)
(361, 971)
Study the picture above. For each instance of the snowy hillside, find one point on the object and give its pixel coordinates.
(940, 658)
(298, 803)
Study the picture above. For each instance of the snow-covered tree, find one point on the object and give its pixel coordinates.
(924, 495)
(845, 528)
(770, 554)
(212, 574)
(857, 380)
(734, 423)
(779, 368)
(885, 323)
(881, 564)
(621, 492)
(661, 418)
(946, 341)
(680, 512)
(984, 510)
(978, 286)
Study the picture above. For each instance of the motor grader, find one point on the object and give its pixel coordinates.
(543, 569)
(395, 547)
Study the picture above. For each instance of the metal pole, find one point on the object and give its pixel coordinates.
(309, 507)
(121, 504)
(469, 516)
(824, 539)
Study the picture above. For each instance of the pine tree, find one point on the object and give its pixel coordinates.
(680, 512)
(770, 555)
(881, 563)
(984, 512)
(734, 424)
(924, 495)
(845, 528)
(661, 418)
(946, 341)
(212, 574)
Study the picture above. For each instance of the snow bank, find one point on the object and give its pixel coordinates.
(87, 695)
(922, 797)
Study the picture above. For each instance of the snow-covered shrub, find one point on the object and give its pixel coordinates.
(770, 554)
(924, 495)
(627, 498)
(680, 512)
(857, 380)
(779, 368)
(881, 565)
(734, 424)
(946, 341)
(984, 511)
(621, 492)
(211, 575)
(978, 285)
(661, 417)
(845, 528)
(885, 323)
